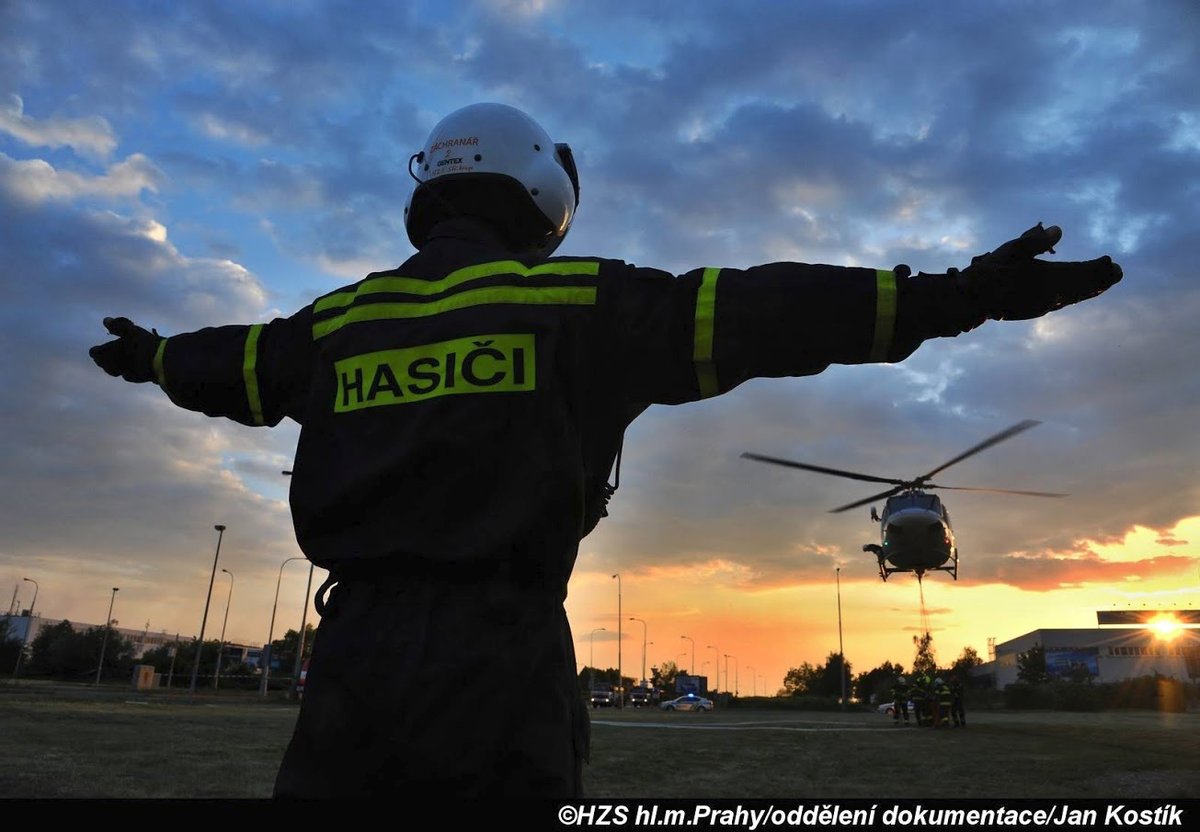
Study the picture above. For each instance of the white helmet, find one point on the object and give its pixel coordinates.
(494, 163)
(901, 680)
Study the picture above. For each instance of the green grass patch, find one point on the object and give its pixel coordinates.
(75, 741)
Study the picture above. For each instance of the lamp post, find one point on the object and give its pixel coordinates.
(221, 651)
(303, 622)
(203, 621)
(717, 668)
(107, 626)
(645, 644)
(692, 668)
(841, 651)
(753, 680)
(266, 674)
(735, 673)
(28, 627)
(620, 685)
(592, 655)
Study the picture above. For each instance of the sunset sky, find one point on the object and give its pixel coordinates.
(195, 164)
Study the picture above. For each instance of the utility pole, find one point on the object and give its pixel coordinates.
(620, 686)
(841, 651)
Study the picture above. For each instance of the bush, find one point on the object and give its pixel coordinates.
(1077, 696)
(1153, 693)
(1023, 696)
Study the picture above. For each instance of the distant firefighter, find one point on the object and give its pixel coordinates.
(957, 712)
(900, 700)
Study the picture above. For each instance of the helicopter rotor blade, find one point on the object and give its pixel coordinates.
(787, 463)
(870, 499)
(999, 491)
(1007, 433)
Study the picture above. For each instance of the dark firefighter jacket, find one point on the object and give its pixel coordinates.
(466, 407)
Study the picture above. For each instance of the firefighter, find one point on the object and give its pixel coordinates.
(900, 695)
(460, 416)
(920, 698)
(943, 700)
(957, 712)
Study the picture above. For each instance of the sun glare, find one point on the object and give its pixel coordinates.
(1165, 626)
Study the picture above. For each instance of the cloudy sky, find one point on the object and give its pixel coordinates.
(205, 163)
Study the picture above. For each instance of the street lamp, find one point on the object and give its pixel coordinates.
(221, 651)
(620, 685)
(303, 623)
(692, 668)
(204, 621)
(645, 644)
(717, 668)
(271, 630)
(753, 680)
(735, 673)
(592, 655)
(107, 625)
(28, 627)
(841, 651)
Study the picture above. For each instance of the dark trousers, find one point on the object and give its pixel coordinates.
(423, 688)
(960, 715)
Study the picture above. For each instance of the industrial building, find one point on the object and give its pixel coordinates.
(25, 629)
(1146, 643)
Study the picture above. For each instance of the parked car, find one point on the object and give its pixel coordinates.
(889, 708)
(688, 702)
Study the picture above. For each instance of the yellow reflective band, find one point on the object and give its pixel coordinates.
(159, 373)
(478, 364)
(560, 295)
(706, 300)
(250, 376)
(885, 314)
(413, 286)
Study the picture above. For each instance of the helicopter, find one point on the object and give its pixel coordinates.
(915, 526)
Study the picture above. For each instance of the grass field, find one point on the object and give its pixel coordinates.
(59, 741)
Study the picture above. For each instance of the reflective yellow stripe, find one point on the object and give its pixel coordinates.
(250, 376)
(706, 299)
(505, 363)
(159, 373)
(575, 295)
(885, 314)
(413, 286)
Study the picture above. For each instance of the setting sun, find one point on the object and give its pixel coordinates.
(1166, 626)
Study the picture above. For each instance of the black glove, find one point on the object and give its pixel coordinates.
(131, 356)
(1008, 284)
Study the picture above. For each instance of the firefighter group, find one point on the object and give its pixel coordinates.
(935, 702)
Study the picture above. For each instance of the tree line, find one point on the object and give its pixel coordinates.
(59, 651)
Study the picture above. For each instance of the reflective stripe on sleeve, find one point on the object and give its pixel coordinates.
(706, 298)
(885, 314)
(250, 375)
(160, 375)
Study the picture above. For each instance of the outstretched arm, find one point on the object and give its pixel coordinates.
(709, 330)
(255, 374)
